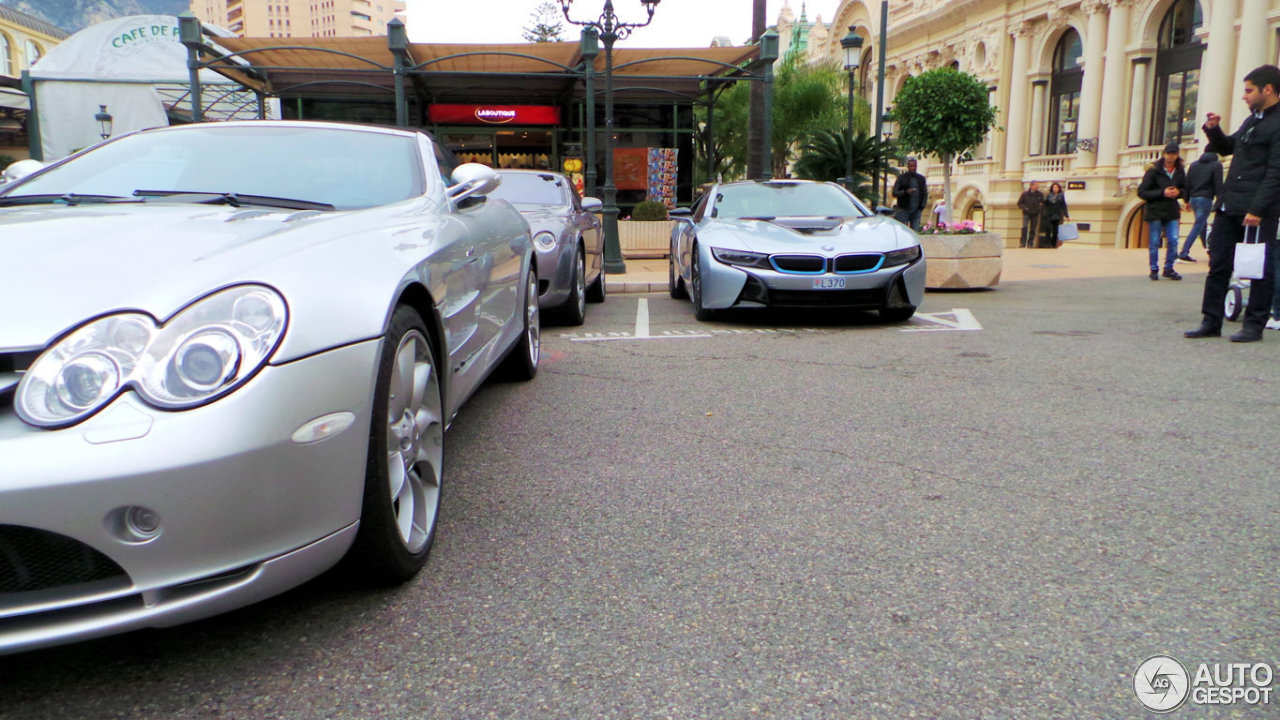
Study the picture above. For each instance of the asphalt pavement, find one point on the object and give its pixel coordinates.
(998, 509)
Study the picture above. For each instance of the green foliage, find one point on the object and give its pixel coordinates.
(545, 24)
(824, 155)
(649, 210)
(943, 112)
(6, 161)
(806, 99)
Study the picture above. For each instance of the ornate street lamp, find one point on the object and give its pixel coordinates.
(610, 29)
(104, 121)
(852, 44)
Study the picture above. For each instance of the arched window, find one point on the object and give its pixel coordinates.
(1177, 74)
(1064, 95)
(6, 60)
(33, 53)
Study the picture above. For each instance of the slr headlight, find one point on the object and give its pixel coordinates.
(902, 257)
(544, 241)
(205, 351)
(741, 258)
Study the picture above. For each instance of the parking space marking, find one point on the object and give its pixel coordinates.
(642, 318)
(960, 319)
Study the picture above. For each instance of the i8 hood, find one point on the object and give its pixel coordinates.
(813, 235)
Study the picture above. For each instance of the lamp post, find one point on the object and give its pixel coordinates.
(886, 122)
(610, 29)
(104, 120)
(852, 44)
(884, 44)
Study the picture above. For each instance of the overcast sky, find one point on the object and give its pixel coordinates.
(676, 23)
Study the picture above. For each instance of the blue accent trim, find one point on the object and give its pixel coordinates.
(879, 264)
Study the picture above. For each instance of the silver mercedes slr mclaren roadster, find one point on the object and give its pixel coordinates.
(793, 244)
(228, 356)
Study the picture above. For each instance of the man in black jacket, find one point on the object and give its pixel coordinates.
(912, 193)
(1204, 183)
(1250, 201)
(1162, 185)
(1031, 203)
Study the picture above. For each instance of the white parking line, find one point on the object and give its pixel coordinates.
(955, 319)
(961, 319)
(642, 318)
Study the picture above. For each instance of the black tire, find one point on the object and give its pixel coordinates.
(695, 288)
(1233, 305)
(675, 283)
(521, 362)
(898, 314)
(404, 474)
(596, 291)
(574, 309)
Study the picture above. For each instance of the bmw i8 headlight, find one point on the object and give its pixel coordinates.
(205, 351)
(544, 241)
(741, 258)
(905, 256)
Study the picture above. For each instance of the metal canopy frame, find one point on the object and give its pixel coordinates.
(429, 82)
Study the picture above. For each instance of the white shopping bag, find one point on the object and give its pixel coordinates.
(1251, 257)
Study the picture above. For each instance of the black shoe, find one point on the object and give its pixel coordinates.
(1172, 274)
(1204, 331)
(1247, 335)
(1155, 275)
(1186, 258)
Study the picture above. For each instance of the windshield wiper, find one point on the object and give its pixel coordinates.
(64, 198)
(236, 199)
(766, 218)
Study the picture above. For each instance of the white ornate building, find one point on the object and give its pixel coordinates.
(1088, 91)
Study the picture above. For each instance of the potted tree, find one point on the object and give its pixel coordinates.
(945, 113)
(647, 232)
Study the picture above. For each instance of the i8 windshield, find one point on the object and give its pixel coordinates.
(343, 168)
(775, 200)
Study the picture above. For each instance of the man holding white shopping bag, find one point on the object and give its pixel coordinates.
(1250, 204)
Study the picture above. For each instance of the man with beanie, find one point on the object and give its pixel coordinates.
(1164, 183)
(1250, 202)
(1204, 184)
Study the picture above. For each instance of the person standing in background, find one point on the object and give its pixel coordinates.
(1164, 183)
(1055, 213)
(911, 192)
(1250, 203)
(1031, 203)
(1204, 185)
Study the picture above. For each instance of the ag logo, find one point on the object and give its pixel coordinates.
(1161, 683)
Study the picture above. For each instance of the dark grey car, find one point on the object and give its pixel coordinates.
(567, 241)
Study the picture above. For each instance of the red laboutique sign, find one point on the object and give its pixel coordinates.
(493, 114)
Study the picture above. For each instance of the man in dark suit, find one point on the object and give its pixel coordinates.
(1250, 202)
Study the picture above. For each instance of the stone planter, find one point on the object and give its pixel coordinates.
(957, 262)
(645, 239)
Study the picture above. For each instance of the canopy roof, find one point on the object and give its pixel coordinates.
(440, 72)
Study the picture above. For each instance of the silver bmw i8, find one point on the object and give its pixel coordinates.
(228, 356)
(793, 244)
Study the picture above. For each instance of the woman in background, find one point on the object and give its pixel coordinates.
(1055, 213)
